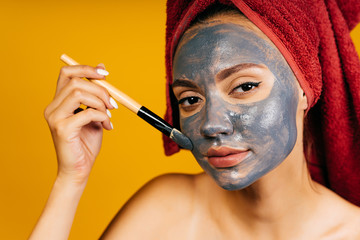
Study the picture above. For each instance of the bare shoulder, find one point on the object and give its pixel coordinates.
(159, 202)
(351, 221)
(349, 227)
(342, 216)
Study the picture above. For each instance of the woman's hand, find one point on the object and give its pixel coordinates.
(77, 137)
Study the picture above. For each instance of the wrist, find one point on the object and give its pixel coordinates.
(70, 181)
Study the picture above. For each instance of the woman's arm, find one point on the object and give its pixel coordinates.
(77, 138)
(58, 215)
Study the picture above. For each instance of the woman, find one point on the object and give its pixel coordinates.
(242, 103)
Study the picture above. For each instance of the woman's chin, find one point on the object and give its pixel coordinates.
(232, 183)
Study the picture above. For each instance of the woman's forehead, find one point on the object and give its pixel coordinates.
(221, 45)
(224, 18)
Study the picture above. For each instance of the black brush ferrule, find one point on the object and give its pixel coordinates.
(155, 121)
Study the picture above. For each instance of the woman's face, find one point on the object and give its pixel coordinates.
(238, 100)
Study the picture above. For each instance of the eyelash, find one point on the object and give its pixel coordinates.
(181, 101)
(247, 84)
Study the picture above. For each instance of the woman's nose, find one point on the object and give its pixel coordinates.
(216, 121)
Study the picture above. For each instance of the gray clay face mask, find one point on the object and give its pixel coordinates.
(238, 100)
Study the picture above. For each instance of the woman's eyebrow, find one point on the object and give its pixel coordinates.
(239, 67)
(183, 83)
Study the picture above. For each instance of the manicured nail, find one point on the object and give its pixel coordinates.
(112, 127)
(113, 103)
(102, 72)
(108, 113)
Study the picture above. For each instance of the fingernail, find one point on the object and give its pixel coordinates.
(113, 103)
(112, 127)
(102, 72)
(108, 113)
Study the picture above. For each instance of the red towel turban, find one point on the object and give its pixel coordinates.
(313, 36)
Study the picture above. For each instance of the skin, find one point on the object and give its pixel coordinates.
(222, 116)
(282, 204)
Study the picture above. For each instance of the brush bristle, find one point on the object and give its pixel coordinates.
(181, 139)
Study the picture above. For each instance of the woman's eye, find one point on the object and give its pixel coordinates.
(245, 87)
(188, 101)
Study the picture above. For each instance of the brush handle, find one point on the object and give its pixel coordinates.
(113, 91)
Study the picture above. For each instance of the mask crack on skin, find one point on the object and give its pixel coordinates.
(262, 124)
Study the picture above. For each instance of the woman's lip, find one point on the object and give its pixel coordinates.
(228, 160)
(224, 151)
(223, 157)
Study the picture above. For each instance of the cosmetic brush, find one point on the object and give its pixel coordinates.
(147, 115)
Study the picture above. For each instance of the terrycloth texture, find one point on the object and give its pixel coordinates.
(313, 36)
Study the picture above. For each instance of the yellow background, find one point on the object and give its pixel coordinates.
(129, 37)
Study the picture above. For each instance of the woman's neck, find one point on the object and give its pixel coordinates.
(279, 191)
(280, 202)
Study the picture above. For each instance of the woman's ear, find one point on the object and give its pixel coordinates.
(303, 101)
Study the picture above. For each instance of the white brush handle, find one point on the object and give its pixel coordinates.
(113, 91)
